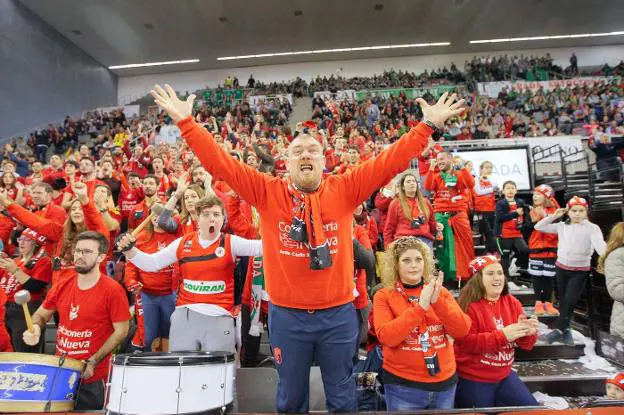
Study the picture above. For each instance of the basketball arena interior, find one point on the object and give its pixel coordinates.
(291, 206)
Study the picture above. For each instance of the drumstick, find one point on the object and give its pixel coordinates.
(156, 210)
(23, 297)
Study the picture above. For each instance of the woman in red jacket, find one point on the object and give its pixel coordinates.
(83, 216)
(410, 214)
(414, 317)
(486, 355)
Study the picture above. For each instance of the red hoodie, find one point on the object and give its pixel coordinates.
(485, 354)
(397, 225)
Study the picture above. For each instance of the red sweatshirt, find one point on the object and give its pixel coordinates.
(397, 325)
(449, 199)
(485, 354)
(154, 283)
(290, 282)
(54, 233)
(382, 203)
(397, 225)
(361, 301)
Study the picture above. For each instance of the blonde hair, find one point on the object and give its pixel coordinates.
(422, 205)
(390, 262)
(616, 240)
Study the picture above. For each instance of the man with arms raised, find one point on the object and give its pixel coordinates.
(306, 232)
(93, 317)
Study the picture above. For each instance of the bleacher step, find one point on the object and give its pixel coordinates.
(547, 319)
(554, 376)
(545, 351)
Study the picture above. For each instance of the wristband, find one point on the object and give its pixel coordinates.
(431, 124)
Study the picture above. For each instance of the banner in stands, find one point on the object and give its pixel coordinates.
(131, 111)
(348, 94)
(510, 163)
(571, 145)
(255, 99)
(410, 93)
(492, 89)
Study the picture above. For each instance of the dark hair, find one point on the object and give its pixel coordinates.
(94, 236)
(89, 159)
(133, 174)
(73, 163)
(150, 176)
(509, 182)
(109, 192)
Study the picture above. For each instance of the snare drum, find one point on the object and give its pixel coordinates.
(37, 382)
(171, 383)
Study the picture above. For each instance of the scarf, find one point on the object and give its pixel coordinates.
(430, 355)
(307, 227)
(257, 295)
(450, 179)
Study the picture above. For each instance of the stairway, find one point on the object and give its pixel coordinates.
(302, 111)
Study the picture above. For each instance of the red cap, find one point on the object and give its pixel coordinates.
(481, 262)
(577, 201)
(545, 191)
(310, 124)
(617, 380)
(34, 236)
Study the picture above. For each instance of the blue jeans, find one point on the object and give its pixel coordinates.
(406, 398)
(300, 337)
(510, 391)
(157, 310)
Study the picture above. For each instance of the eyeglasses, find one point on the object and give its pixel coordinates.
(83, 252)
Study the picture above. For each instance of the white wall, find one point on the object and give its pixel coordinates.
(136, 86)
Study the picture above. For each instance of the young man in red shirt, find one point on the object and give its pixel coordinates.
(142, 209)
(93, 317)
(205, 305)
(306, 230)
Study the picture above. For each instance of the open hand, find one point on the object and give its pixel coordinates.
(81, 191)
(437, 286)
(445, 108)
(168, 100)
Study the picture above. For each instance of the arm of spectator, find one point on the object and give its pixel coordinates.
(456, 323)
(263, 155)
(238, 221)
(391, 330)
(364, 259)
(392, 219)
(155, 261)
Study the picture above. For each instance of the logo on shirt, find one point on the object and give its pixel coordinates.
(161, 245)
(204, 287)
(187, 246)
(73, 312)
(498, 322)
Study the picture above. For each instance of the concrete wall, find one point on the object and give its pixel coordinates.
(43, 76)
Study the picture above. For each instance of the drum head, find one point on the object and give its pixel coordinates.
(173, 359)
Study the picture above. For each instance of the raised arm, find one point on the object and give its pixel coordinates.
(362, 181)
(244, 180)
(48, 228)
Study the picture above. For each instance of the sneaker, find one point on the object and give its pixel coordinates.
(539, 308)
(554, 336)
(550, 309)
(567, 338)
(514, 268)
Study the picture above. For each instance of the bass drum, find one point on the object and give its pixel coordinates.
(171, 383)
(32, 382)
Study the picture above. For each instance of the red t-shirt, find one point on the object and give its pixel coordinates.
(86, 318)
(42, 271)
(509, 228)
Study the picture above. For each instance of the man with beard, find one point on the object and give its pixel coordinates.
(448, 186)
(93, 315)
(306, 231)
(142, 209)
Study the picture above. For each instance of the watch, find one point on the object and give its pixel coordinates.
(431, 124)
(92, 361)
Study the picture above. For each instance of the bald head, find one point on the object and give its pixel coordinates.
(306, 162)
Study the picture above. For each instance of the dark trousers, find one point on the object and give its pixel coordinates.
(508, 392)
(90, 396)
(520, 249)
(486, 228)
(16, 326)
(570, 285)
(251, 344)
(329, 337)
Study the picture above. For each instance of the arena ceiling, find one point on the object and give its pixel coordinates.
(117, 32)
